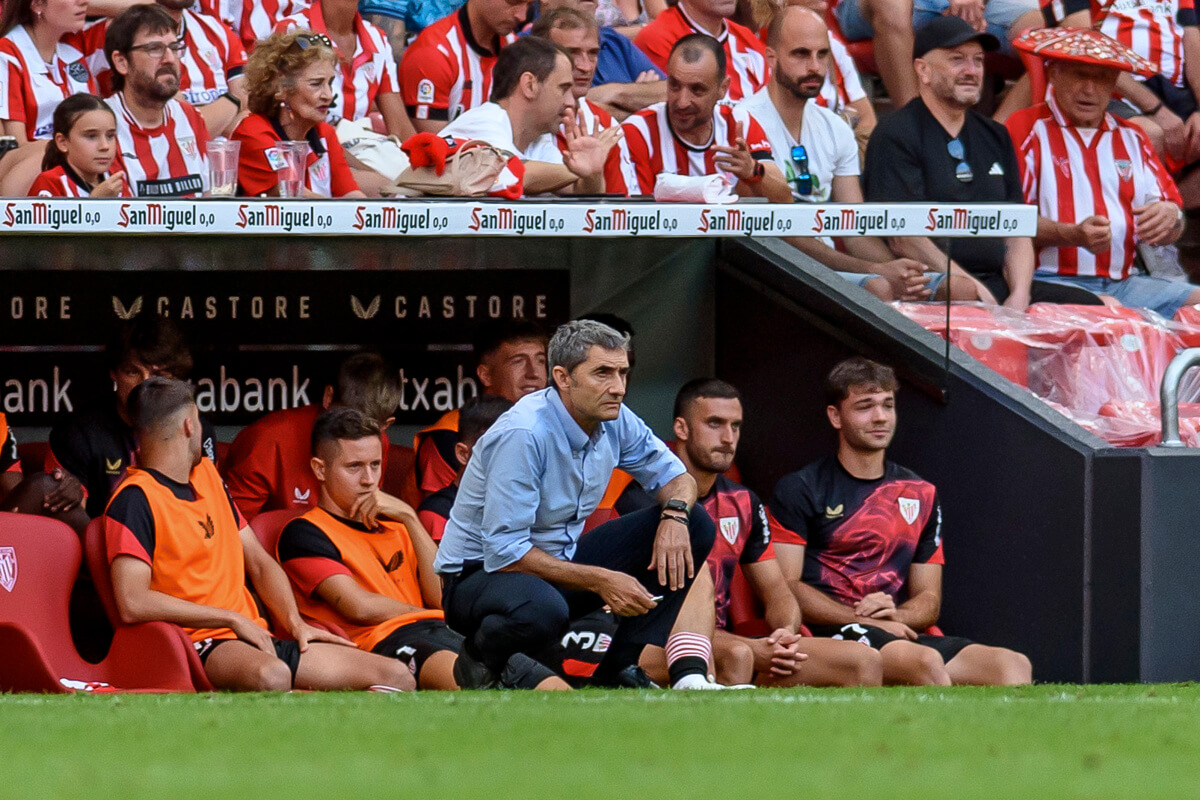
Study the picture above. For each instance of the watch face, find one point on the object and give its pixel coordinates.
(676, 505)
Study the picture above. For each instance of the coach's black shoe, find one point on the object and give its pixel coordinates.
(472, 674)
(631, 677)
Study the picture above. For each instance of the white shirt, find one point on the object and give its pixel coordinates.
(490, 123)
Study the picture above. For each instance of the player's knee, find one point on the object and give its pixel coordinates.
(1015, 668)
(928, 668)
(864, 667)
(880, 288)
(702, 533)
(271, 676)
(393, 673)
(540, 619)
(736, 664)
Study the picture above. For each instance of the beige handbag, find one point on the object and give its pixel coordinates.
(471, 170)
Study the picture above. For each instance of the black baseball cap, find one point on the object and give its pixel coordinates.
(950, 31)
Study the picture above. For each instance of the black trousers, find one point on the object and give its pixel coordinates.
(1041, 291)
(504, 613)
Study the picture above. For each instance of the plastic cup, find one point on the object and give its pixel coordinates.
(223, 167)
(291, 177)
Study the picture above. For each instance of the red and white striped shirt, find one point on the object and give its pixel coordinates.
(1153, 29)
(32, 89)
(63, 182)
(214, 57)
(745, 54)
(445, 72)
(650, 147)
(253, 19)
(1072, 174)
(591, 118)
(170, 160)
(370, 72)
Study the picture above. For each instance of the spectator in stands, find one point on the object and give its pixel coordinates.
(163, 140)
(180, 552)
(511, 363)
(400, 19)
(745, 56)
(84, 147)
(514, 568)
(365, 60)
(842, 92)
(815, 151)
(694, 133)
(448, 68)
(937, 149)
(45, 61)
(625, 17)
(708, 424)
(252, 20)
(578, 34)
(268, 462)
(866, 558)
(531, 98)
(91, 450)
(290, 82)
(362, 561)
(472, 421)
(625, 70)
(1100, 189)
(1162, 102)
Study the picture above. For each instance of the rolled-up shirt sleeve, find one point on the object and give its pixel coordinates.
(644, 456)
(511, 500)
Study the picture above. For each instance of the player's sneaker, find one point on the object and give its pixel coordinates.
(472, 674)
(631, 677)
(702, 683)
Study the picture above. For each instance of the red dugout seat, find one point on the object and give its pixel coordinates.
(39, 561)
(267, 526)
(400, 478)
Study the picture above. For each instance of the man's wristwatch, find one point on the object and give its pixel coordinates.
(675, 504)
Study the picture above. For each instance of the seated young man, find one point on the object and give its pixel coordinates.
(473, 420)
(268, 463)
(180, 552)
(869, 565)
(708, 425)
(371, 576)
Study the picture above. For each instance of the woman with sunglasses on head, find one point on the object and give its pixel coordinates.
(289, 79)
(45, 52)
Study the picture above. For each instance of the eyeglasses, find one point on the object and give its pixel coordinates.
(307, 40)
(157, 50)
(803, 179)
(962, 170)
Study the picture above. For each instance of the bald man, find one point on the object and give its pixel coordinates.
(816, 151)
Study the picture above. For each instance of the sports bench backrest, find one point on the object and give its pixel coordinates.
(39, 561)
(97, 561)
(268, 525)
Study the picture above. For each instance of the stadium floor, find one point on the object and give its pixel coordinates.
(1033, 742)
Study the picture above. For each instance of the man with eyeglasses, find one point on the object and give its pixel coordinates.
(815, 149)
(163, 140)
(936, 149)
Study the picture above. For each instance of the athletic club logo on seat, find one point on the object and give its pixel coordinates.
(210, 530)
(301, 497)
(8, 568)
(730, 528)
(909, 509)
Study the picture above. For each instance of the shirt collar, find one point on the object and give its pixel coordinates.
(33, 59)
(576, 438)
(313, 137)
(1061, 119)
(363, 49)
(464, 23)
(721, 37)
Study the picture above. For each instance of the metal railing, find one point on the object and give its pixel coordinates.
(1168, 394)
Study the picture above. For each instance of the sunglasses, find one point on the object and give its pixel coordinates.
(803, 179)
(307, 40)
(157, 50)
(962, 170)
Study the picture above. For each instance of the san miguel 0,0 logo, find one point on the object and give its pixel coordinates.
(47, 215)
(620, 220)
(389, 218)
(505, 219)
(272, 216)
(960, 219)
(163, 217)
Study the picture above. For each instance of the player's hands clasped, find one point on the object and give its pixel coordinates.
(878, 605)
(67, 494)
(785, 654)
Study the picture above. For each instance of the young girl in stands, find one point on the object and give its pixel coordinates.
(289, 79)
(84, 146)
(44, 56)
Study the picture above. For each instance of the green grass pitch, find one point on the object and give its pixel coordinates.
(1033, 742)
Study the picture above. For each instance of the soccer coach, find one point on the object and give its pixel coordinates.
(515, 570)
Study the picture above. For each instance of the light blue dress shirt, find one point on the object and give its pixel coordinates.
(535, 477)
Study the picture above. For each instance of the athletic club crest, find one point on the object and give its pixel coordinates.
(909, 509)
(1064, 165)
(1125, 168)
(187, 145)
(8, 568)
(730, 528)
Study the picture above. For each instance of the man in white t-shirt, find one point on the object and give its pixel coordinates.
(531, 96)
(821, 164)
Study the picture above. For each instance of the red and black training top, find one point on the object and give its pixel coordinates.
(862, 535)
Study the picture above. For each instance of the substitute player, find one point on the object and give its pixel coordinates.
(869, 564)
(372, 576)
(180, 552)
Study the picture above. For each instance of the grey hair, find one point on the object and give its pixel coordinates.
(570, 344)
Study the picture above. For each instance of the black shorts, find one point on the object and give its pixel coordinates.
(947, 646)
(417, 641)
(286, 650)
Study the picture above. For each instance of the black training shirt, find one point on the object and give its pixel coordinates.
(907, 162)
